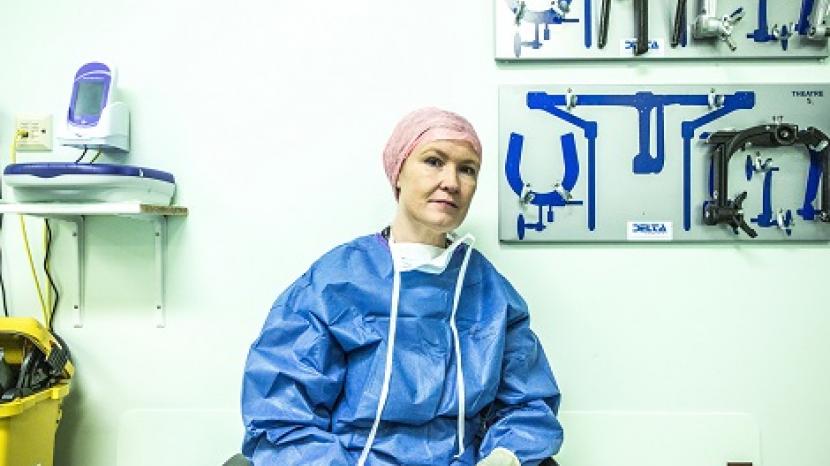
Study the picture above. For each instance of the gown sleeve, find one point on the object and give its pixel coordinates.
(293, 377)
(524, 412)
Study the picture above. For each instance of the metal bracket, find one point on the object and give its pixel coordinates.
(526, 195)
(715, 100)
(75, 289)
(570, 99)
(709, 25)
(159, 243)
(818, 29)
(566, 195)
(77, 258)
(759, 165)
(785, 220)
(75, 215)
(160, 233)
(76, 226)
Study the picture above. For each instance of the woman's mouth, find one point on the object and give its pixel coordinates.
(445, 202)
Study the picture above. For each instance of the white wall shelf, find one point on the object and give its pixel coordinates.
(74, 215)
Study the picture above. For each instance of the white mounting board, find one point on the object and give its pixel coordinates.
(602, 438)
(629, 181)
(176, 437)
(573, 35)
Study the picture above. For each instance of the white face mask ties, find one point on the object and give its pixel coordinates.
(434, 266)
(387, 370)
(459, 373)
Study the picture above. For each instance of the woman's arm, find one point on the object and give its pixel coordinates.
(524, 415)
(293, 376)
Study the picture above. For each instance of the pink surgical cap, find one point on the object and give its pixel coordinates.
(420, 127)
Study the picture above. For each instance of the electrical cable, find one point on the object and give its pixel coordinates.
(47, 241)
(2, 284)
(28, 249)
(78, 160)
(97, 154)
(51, 281)
(25, 235)
(17, 136)
(44, 237)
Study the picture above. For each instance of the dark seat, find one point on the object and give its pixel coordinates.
(239, 460)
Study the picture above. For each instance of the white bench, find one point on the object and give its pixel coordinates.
(210, 437)
(178, 437)
(658, 439)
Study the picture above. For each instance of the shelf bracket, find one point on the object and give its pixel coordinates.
(75, 214)
(76, 227)
(160, 233)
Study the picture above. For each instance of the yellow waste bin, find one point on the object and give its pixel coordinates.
(35, 374)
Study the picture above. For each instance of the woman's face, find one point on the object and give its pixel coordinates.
(437, 183)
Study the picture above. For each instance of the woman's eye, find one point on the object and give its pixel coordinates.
(468, 171)
(433, 161)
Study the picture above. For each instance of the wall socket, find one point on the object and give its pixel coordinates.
(36, 133)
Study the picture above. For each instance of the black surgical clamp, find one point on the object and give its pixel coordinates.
(720, 209)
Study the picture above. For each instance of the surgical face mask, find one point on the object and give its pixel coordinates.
(424, 257)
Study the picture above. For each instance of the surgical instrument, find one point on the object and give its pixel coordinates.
(679, 26)
(641, 7)
(603, 23)
(818, 28)
(709, 25)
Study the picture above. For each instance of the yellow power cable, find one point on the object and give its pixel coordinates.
(34, 272)
(17, 136)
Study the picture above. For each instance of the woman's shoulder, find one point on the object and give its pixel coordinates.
(494, 279)
(488, 271)
(362, 245)
(364, 254)
(349, 262)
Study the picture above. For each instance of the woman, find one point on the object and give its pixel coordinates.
(358, 361)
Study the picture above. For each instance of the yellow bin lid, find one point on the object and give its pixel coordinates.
(18, 405)
(17, 331)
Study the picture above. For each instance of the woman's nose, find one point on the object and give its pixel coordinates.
(449, 179)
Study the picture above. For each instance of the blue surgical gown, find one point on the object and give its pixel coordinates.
(313, 376)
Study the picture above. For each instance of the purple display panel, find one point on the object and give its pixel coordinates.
(90, 93)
